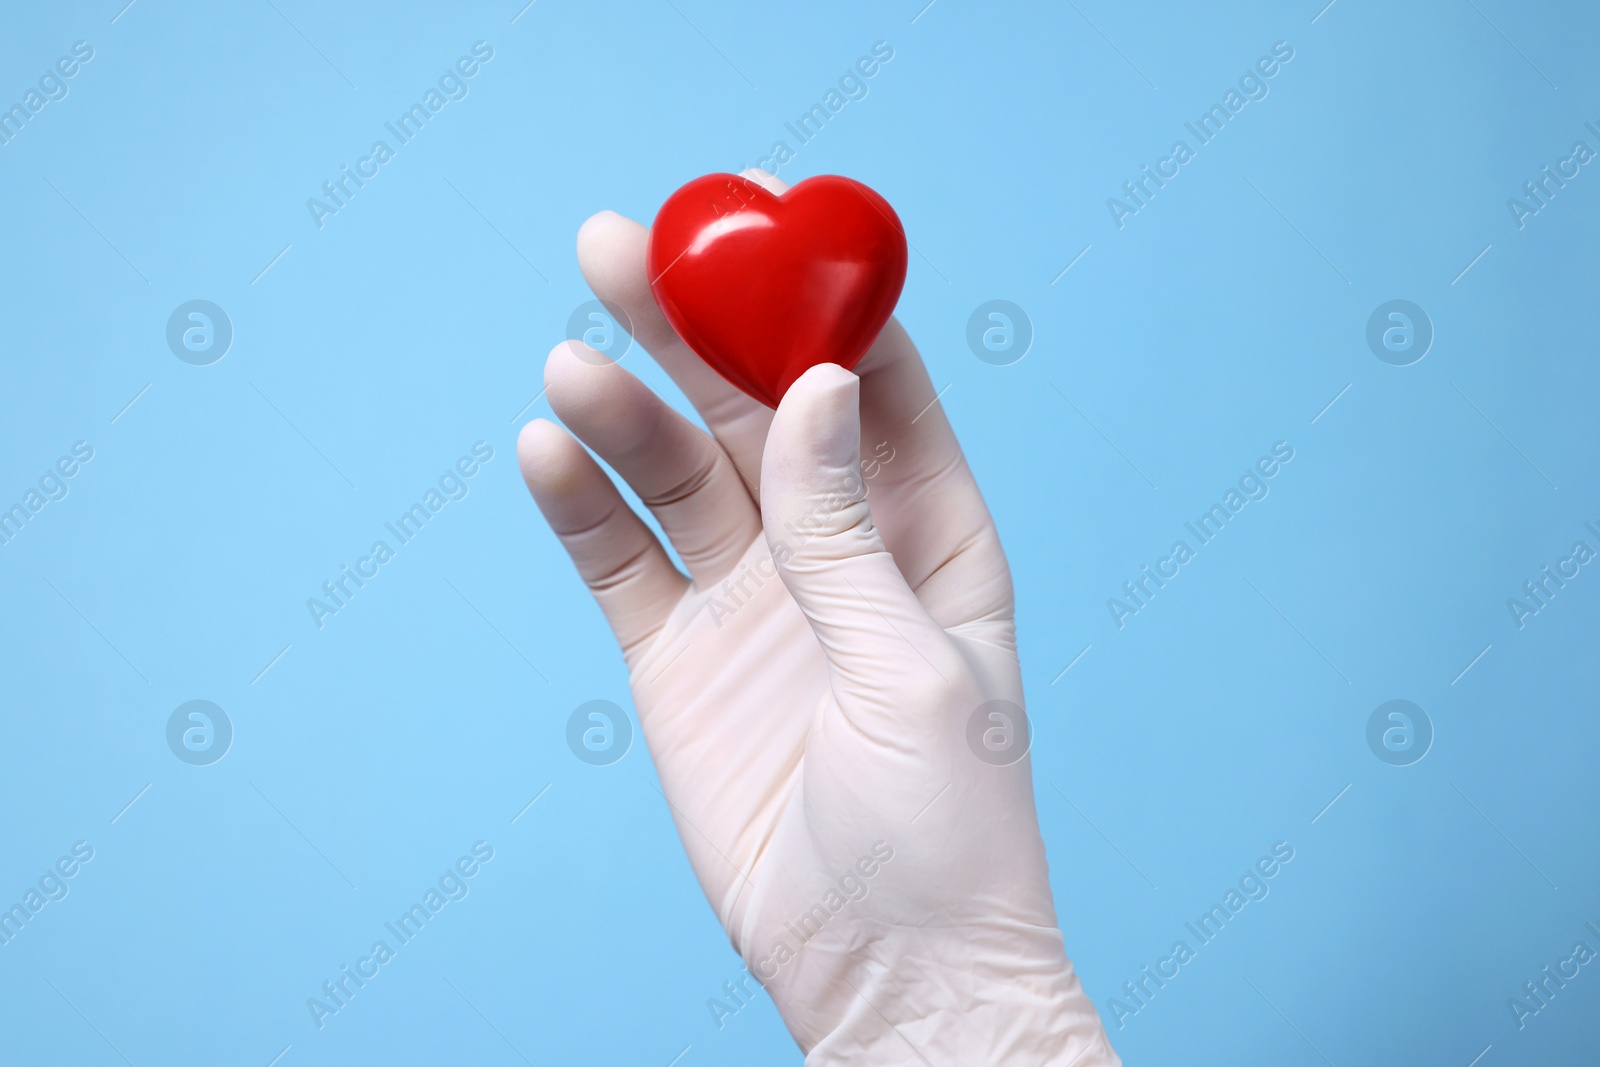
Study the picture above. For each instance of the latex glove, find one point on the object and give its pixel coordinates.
(809, 720)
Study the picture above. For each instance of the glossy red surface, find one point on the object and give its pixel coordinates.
(764, 287)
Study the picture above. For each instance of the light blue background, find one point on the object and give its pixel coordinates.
(1224, 317)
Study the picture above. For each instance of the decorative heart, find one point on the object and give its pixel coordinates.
(764, 287)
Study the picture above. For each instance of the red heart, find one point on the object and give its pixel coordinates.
(764, 287)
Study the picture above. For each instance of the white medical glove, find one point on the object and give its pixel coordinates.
(809, 691)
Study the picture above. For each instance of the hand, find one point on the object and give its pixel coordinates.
(806, 691)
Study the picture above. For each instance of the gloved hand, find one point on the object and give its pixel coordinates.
(808, 692)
